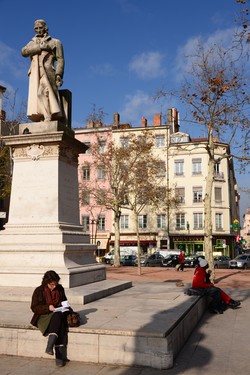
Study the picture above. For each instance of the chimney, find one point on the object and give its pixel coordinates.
(116, 120)
(173, 119)
(157, 119)
(144, 122)
(90, 124)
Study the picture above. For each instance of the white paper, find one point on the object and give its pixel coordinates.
(65, 307)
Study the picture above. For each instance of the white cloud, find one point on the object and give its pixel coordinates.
(139, 105)
(186, 54)
(148, 65)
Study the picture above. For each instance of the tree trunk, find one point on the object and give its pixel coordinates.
(138, 243)
(208, 227)
(117, 241)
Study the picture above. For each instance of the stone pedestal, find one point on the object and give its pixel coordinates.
(43, 231)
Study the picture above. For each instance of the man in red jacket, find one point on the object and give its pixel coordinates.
(220, 299)
(181, 260)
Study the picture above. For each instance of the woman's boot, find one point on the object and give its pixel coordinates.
(51, 342)
(60, 355)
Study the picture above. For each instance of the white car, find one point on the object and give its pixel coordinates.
(241, 261)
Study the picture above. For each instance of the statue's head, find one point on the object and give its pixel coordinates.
(40, 27)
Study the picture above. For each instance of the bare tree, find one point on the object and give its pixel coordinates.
(131, 179)
(216, 93)
(146, 185)
(108, 191)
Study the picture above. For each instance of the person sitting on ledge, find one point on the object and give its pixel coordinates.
(219, 299)
(45, 299)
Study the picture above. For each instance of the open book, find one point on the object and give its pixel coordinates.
(65, 307)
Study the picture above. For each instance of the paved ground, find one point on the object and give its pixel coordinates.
(225, 278)
(219, 344)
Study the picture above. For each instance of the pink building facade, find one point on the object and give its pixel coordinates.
(95, 219)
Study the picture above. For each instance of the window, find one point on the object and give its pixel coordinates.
(160, 140)
(161, 221)
(180, 221)
(217, 173)
(142, 221)
(162, 169)
(85, 223)
(217, 168)
(85, 197)
(179, 167)
(218, 221)
(124, 142)
(124, 222)
(101, 223)
(85, 172)
(101, 174)
(180, 194)
(197, 194)
(198, 220)
(218, 194)
(196, 166)
(101, 146)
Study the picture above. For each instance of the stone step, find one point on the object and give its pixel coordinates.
(78, 295)
(145, 325)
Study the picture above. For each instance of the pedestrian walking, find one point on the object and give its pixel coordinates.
(181, 261)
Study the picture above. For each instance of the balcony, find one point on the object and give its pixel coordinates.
(219, 176)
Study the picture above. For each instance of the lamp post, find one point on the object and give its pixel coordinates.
(93, 222)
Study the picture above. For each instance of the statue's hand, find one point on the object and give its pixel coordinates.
(59, 81)
(45, 46)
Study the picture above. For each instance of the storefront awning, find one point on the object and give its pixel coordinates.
(134, 242)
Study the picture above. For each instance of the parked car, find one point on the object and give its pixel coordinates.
(170, 260)
(221, 261)
(152, 260)
(129, 260)
(192, 261)
(241, 261)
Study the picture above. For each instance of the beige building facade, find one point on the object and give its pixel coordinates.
(184, 171)
(245, 230)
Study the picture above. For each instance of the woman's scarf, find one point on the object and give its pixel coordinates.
(52, 297)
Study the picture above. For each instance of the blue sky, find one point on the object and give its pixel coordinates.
(118, 53)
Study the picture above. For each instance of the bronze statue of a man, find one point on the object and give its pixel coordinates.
(45, 75)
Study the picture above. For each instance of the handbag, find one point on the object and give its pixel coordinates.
(73, 319)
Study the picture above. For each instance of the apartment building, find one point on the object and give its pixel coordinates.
(245, 230)
(184, 168)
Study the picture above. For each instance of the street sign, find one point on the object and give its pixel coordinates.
(2, 215)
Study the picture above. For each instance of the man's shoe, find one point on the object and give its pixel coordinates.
(233, 304)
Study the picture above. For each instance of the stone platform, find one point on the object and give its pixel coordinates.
(145, 324)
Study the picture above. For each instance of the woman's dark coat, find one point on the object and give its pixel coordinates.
(39, 305)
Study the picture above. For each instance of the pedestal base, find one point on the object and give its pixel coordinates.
(43, 231)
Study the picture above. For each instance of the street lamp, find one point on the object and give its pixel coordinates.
(93, 222)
